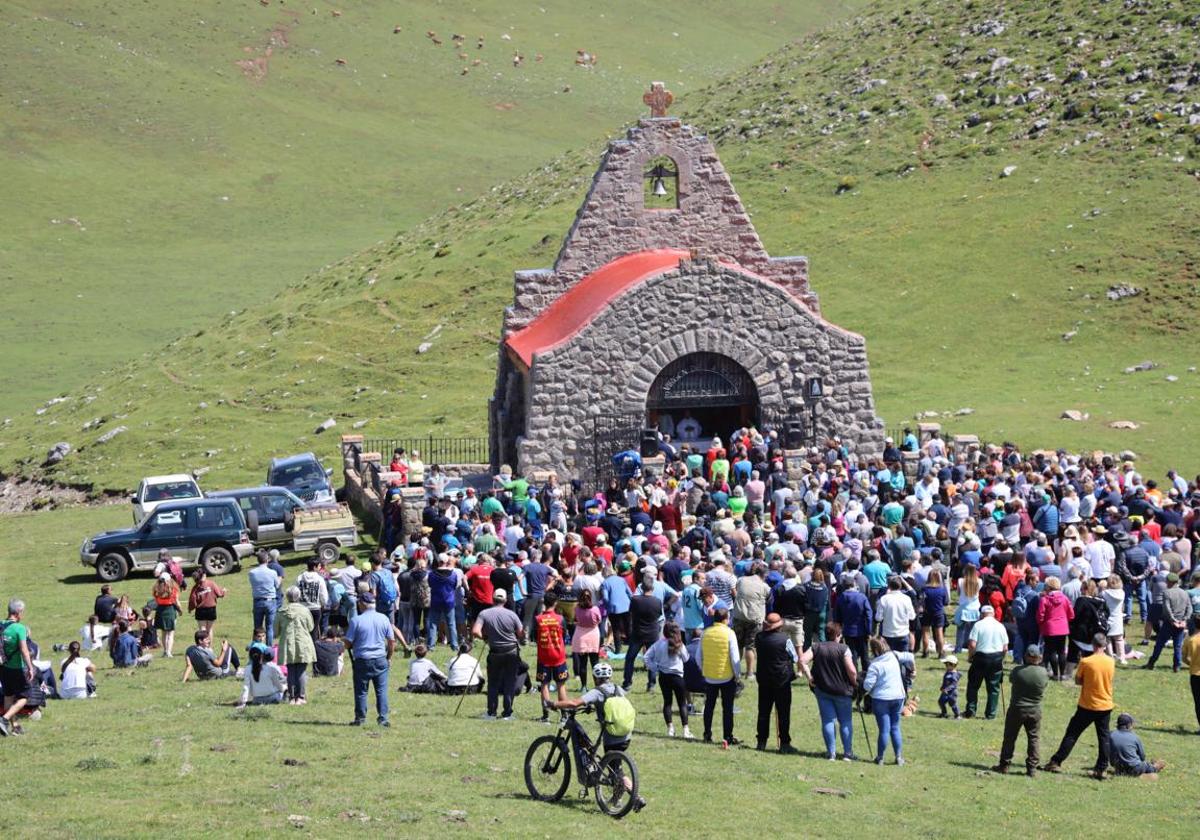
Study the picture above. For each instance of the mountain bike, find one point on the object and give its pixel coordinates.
(613, 775)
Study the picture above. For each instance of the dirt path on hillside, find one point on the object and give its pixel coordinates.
(256, 66)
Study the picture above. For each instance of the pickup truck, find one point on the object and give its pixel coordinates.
(207, 532)
(276, 518)
(155, 490)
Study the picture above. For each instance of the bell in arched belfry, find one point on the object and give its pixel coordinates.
(660, 188)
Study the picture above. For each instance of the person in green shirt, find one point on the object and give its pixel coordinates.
(519, 487)
(490, 506)
(1029, 682)
(17, 673)
(738, 503)
(487, 542)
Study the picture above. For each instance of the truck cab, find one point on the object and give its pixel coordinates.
(155, 490)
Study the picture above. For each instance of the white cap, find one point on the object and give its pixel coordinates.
(499, 596)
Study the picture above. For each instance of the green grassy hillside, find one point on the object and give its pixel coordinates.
(164, 164)
(876, 148)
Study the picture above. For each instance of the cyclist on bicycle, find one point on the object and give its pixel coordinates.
(603, 689)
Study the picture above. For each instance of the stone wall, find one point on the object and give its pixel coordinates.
(613, 219)
(703, 307)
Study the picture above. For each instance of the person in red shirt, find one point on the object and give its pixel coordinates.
(603, 551)
(551, 652)
(479, 587)
(592, 533)
(203, 600)
(571, 551)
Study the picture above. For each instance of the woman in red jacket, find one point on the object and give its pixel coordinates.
(1054, 617)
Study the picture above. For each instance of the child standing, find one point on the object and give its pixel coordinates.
(551, 652)
(948, 697)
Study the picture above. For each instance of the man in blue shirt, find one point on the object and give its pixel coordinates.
(853, 612)
(537, 576)
(371, 643)
(615, 594)
(265, 587)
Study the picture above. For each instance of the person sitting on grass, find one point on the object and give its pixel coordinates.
(125, 649)
(424, 677)
(94, 634)
(330, 660)
(207, 665)
(465, 676)
(263, 682)
(1128, 754)
(77, 679)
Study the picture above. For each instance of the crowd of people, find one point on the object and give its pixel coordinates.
(727, 565)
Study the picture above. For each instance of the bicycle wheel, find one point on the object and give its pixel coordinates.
(616, 784)
(547, 768)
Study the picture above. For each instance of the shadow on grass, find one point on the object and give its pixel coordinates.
(971, 765)
(1177, 729)
(569, 800)
(82, 577)
(337, 723)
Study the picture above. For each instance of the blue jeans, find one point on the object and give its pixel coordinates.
(1143, 597)
(1022, 639)
(836, 713)
(264, 617)
(1168, 632)
(887, 718)
(366, 673)
(635, 647)
(437, 614)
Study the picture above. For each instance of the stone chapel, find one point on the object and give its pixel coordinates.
(663, 311)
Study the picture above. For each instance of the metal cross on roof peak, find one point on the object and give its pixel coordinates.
(658, 98)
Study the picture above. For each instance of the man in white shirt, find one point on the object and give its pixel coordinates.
(986, 648)
(513, 534)
(1100, 555)
(895, 611)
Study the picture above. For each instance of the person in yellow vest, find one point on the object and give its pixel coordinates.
(719, 663)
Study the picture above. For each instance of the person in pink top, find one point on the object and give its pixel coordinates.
(1054, 617)
(585, 643)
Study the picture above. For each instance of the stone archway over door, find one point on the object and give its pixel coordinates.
(704, 388)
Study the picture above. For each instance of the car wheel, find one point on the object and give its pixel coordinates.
(217, 561)
(289, 521)
(252, 524)
(327, 553)
(112, 567)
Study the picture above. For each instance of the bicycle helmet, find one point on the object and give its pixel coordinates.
(602, 671)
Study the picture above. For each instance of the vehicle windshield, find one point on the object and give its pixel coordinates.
(172, 490)
(307, 472)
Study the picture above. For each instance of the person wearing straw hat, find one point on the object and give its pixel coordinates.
(776, 668)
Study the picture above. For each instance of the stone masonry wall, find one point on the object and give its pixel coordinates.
(613, 220)
(610, 366)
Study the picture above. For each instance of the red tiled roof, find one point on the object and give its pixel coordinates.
(575, 308)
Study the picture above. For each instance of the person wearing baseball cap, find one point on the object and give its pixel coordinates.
(503, 631)
(1128, 754)
(371, 643)
(1176, 612)
(986, 647)
(1029, 681)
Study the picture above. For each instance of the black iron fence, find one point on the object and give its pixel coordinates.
(433, 450)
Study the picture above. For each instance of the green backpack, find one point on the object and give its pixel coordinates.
(619, 716)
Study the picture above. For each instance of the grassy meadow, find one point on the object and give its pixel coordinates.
(974, 291)
(150, 755)
(166, 165)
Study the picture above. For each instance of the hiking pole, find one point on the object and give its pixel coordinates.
(470, 681)
(1003, 702)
